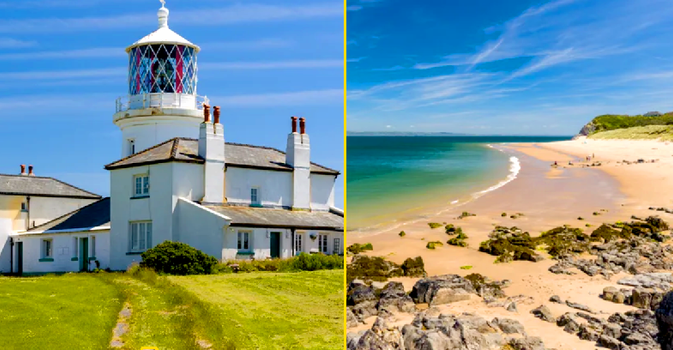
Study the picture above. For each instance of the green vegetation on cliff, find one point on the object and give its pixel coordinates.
(650, 132)
(612, 122)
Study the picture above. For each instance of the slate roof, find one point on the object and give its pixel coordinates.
(237, 155)
(85, 218)
(38, 186)
(280, 218)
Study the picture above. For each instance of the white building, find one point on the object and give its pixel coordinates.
(179, 180)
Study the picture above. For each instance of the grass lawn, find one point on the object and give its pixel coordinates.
(265, 310)
(260, 310)
(75, 311)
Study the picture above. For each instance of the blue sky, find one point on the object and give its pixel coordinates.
(62, 65)
(505, 67)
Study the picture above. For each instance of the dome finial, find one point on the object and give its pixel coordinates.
(163, 14)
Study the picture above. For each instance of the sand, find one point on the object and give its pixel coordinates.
(548, 197)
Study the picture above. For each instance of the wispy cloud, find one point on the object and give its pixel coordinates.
(297, 64)
(83, 53)
(260, 44)
(9, 43)
(237, 13)
(298, 98)
(63, 74)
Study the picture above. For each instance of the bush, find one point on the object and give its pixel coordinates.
(178, 258)
(302, 262)
(433, 245)
(402, 234)
(358, 248)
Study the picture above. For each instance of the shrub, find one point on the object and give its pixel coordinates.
(432, 245)
(358, 248)
(402, 234)
(434, 225)
(302, 262)
(178, 258)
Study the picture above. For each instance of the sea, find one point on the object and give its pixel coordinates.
(394, 179)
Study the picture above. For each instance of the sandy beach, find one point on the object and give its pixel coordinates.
(547, 197)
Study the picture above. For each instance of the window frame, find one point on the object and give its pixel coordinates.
(47, 251)
(298, 238)
(336, 249)
(134, 236)
(257, 197)
(141, 186)
(240, 244)
(322, 243)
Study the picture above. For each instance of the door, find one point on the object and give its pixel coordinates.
(275, 245)
(84, 254)
(19, 258)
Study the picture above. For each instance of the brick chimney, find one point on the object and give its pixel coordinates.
(23, 169)
(30, 170)
(298, 156)
(211, 148)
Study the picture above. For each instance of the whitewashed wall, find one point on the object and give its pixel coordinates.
(200, 227)
(150, 131)
(260, 243)
(275, 186)
(63, 251)
(322, 191)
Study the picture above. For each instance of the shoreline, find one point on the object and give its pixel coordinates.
(548, 197)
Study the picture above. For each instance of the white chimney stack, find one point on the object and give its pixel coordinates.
(211, 148)
(298, 156)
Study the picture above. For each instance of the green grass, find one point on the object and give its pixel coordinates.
(242, 311)
(301, 310)
(57, 312)
(650, 132)
(613, 122)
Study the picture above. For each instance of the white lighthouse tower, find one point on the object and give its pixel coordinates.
(162, 102)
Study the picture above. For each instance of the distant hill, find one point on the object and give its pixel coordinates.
(610, 122)
(400, 133)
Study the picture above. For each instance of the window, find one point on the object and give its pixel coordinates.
(243, 240)
(254, 196)
(93, 244)
(141, 185)
(75, 252)
(24, 207)
(298, 237)
(322, 243)
(140, 236)
(337, 246)
(47, 248)
(132, 146)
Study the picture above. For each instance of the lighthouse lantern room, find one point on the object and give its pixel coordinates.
(162, 102)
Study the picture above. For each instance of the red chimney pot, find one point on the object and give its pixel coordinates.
(23, 169)
(294, 124)
(302, 125)
(216, 114)
(206, 113)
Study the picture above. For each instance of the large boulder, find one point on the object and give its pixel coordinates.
(362, 300)
(542, 312)
(379, 337)
(393, 298)
(664, 315)
(441, 290)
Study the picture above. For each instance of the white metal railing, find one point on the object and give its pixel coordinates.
(161, 100)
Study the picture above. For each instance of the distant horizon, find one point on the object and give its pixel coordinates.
(444, 133)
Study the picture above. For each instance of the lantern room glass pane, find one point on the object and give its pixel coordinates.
(162, 69)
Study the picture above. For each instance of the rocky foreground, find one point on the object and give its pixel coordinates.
(639, 249)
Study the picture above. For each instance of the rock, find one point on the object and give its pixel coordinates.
(609, 293)
(441, 290)
(579, 306)
(362, 301)
(642, 297)
(664, 317)
(351, 319)
(511, 307)
(588, 333)
(414, 267)
(661, 280)
(527, 343)
(395, 299)
(543, 313)
(569, 323)
(555, 299)
(609, 342)
(619, 298)
(612, 330)
(509, 326)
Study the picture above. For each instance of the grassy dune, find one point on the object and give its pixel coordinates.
(650, 132)
(259, 310)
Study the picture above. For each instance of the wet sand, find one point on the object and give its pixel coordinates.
(548, 197)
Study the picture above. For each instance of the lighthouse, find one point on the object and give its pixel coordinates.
(162, 101)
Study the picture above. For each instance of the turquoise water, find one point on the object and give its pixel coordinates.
(397, 178)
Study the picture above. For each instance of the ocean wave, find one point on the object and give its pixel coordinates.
(514, 168)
